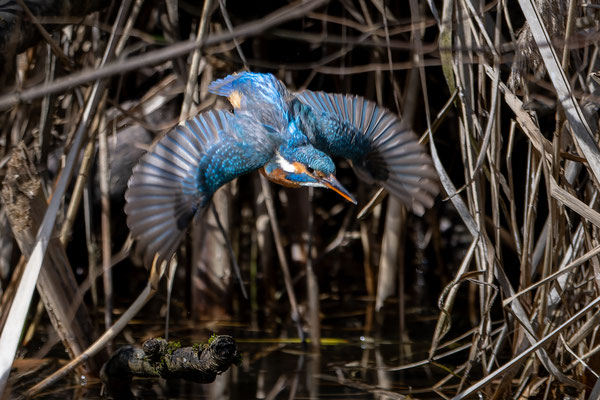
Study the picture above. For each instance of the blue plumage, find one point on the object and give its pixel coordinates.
(175, 180)
(289, 136)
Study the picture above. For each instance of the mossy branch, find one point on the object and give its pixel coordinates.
(159, 358)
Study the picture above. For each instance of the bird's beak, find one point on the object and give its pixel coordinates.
(332, 183)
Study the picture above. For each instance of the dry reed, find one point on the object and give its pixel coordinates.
(506, 93)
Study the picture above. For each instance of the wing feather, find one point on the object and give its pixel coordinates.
(176, 179)
(380, 149)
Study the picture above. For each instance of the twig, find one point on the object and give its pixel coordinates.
(55, 49)
(105, 224)
(232, 257)
(99, 344)
(518, 359)
(312, 284)
(292, 11)
(18, 312)
(230, 28)
(266, 189)
(196, 58)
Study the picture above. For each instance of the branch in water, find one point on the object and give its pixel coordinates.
(159, 358)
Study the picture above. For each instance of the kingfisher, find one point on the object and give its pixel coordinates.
(290, 137)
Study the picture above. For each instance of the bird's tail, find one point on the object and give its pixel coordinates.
(164, 193)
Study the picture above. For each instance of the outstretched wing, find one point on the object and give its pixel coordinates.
(380, 149)
(178, 177)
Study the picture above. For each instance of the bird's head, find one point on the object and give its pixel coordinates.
(305, 166)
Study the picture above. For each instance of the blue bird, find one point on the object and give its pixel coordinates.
(289, 137)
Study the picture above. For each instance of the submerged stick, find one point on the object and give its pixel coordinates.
(159, 358)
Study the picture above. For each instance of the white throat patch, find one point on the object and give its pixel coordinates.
(285, 164)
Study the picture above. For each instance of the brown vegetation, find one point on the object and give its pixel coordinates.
(513, 239)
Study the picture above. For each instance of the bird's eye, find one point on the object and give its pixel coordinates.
(310, 170)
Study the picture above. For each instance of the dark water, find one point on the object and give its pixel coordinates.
(353, 362)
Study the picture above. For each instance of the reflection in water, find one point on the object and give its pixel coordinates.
(354, 361)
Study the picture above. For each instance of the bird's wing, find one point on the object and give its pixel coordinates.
(178, 177)
(380, 149)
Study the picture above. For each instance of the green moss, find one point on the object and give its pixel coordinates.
(172, 346)
(212, 338)
(238, 359)
(196, 347)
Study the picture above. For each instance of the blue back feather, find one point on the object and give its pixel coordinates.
(262, 97)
